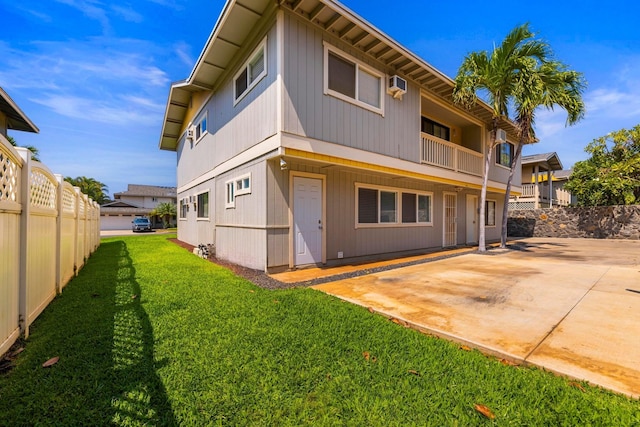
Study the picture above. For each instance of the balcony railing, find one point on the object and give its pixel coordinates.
(445, 154)
(539, 195)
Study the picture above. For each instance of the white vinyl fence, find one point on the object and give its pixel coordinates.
(48, 229)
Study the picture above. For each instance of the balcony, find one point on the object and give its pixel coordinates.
(536, 196)
(445, 154)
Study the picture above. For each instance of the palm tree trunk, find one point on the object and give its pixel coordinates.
(483, 200)
(507, 195)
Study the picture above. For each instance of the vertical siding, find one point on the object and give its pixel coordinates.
(309, 112)
(277, 189)
(233, 129)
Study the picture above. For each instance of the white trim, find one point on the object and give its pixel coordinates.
(243, 190)
(399, 192)
(246, 66)
(323, 178)
(359, 66)
(268, 145)
(204, 117)
(229, 204)
(436, 174)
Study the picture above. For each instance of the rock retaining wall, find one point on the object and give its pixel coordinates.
(602, 222)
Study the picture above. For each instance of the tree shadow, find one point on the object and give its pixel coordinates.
(106, 374)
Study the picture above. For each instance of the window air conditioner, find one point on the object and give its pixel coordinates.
(397, 86)
(501, 136)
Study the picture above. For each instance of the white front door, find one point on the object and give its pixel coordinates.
(450, 226)
(307, 220)
(472, 219)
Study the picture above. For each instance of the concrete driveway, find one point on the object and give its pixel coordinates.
(571, 306)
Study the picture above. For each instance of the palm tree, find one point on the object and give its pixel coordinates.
(497, 76)
(35, 153)
(96, 190)
(165, 211)
(543, 85)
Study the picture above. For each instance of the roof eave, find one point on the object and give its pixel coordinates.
(18, 120)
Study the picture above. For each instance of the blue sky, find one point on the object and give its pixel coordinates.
(94, 75)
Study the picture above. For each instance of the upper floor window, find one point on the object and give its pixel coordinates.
(348, 79)
(201, 126)
(504, 154)
(436, 129)
(251, 72)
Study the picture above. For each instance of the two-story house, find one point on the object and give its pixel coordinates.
(538, 170)
(304, 135)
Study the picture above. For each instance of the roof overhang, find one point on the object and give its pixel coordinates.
(239, 17)
(551, 160)
(17, 119)
(235, 23)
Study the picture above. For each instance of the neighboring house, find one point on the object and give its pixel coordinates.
(12, 117)
(537, 169)
(138, 200)
(304, 135)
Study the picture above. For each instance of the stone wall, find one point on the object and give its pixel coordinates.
(603, 222)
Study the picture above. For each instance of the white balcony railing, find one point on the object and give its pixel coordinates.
(438, 152)
(539, 193)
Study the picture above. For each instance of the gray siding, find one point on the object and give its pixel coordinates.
(342, 234)
(233, 129)
(198, 231)
(241, 235)
(309, 112)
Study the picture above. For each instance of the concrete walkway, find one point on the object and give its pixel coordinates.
(568, 305)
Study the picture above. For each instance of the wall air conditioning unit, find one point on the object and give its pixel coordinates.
(501, 136)
(397, 87)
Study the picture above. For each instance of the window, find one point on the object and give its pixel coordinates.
(490, 213)
(203, 205)
(436, 129)
(230, 199)
(392, 206)
(201, 127)
(504, 154)
(416, 208)
(237, 187)
(351, 81)
(184, 208)
(243, 185)
(251, 72)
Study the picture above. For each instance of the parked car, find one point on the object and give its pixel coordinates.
(141, 224)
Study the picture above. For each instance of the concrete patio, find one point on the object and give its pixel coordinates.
(571, 306)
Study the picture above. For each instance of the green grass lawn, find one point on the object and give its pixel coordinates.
(149, 334)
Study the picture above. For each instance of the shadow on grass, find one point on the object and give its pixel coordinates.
(106, 374)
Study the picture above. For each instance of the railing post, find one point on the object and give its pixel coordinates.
(25, 196)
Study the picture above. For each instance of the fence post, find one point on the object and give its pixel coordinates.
(25, 199)
(76, 266)
(59, 208)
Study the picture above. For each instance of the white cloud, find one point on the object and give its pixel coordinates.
(127, 13)
(183, 51)
(92, 10)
